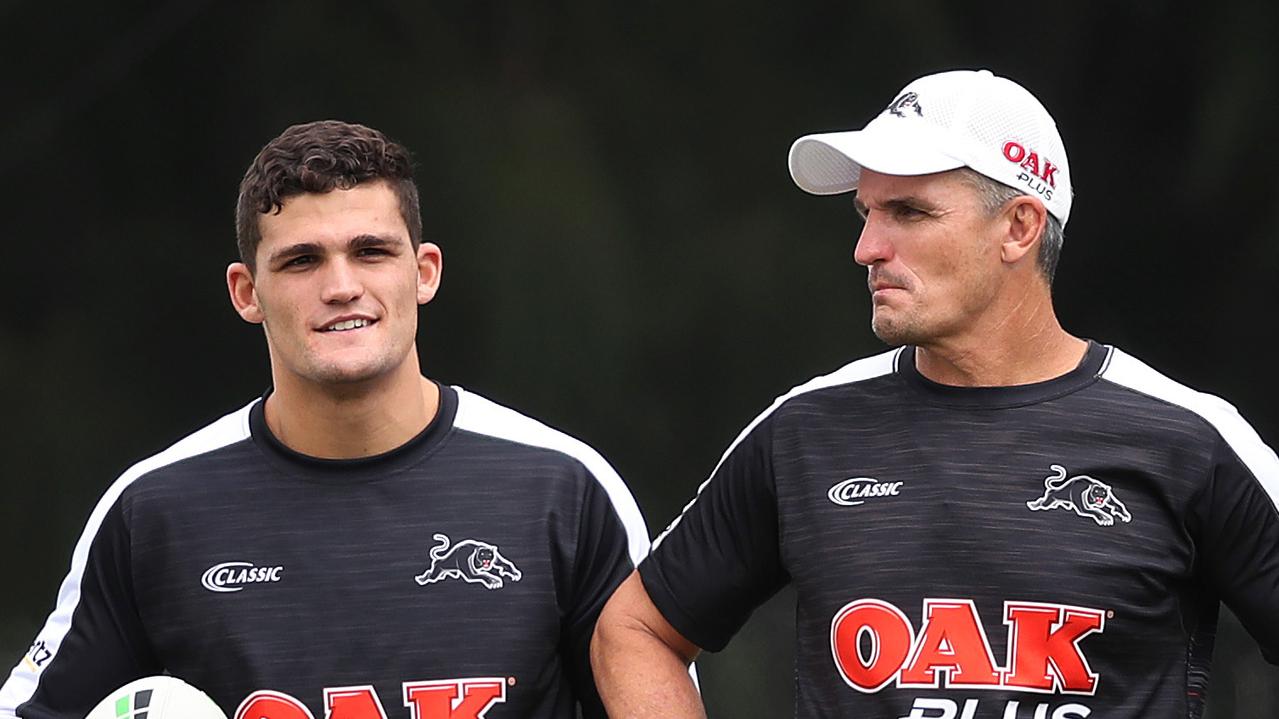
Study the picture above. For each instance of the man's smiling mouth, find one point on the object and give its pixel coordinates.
(345, 325)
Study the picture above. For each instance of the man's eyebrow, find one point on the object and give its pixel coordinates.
(297, 250)
(360, 242)
(912, 202)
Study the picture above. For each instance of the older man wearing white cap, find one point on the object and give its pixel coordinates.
(996, 519)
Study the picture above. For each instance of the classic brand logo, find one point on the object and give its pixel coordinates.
(469, 560)
(233, 576)
(1082, 495)
(908, 100)
(442, 699)
(856, 490)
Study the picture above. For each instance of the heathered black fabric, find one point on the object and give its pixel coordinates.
(350, 539)
(960, 532)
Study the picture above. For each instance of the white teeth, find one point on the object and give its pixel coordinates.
(347, 325)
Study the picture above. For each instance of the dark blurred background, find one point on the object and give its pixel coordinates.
(626, 256)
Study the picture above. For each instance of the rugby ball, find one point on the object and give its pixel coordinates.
(159, 697)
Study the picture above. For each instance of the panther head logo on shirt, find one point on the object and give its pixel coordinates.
(469, 560)
(1082, 495)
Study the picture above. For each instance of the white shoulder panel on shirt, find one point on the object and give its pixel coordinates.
(1128, 371)
(483, 416)
(22, 681)
(856, 371)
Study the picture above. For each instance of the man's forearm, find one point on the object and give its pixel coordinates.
(641, 669)
(639, 677)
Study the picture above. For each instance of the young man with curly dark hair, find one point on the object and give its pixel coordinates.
(362, 541)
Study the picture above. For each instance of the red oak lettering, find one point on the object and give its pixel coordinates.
(1050, 173)
(353, 703)
(890, 636)
(1014, 152)
(951, 640)
(447, 699)
(271, 705)
(1031, 162)
(873, 644)
(1043, 647)
(459, 699)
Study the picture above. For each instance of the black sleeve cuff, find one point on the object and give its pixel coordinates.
(703, 634)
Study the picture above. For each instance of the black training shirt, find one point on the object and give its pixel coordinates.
(458, 576)
(1055, 550)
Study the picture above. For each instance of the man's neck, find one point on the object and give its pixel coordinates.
(352, 421)
(1021, 344)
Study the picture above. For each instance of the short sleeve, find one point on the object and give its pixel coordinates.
(720, 559)
(601, 562)
(1237, 528)
(94, 641)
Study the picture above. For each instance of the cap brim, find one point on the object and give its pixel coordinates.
(832, 162)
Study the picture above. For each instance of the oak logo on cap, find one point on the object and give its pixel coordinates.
(904, 101)
(1034, 168)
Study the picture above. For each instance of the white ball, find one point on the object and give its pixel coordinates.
(159, 697)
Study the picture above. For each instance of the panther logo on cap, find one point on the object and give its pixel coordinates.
(904, 101)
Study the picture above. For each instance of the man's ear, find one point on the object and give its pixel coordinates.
(1026, 219)
(244, 297)
(430, 265)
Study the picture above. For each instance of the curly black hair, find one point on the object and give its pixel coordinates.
(320, 157)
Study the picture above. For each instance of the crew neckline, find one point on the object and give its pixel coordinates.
(1084, 374)
(359, 469)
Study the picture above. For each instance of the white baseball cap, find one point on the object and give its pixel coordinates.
(962, 118)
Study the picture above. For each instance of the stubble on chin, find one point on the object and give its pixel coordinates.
(351, 373)
(892, 329)
(341, 376)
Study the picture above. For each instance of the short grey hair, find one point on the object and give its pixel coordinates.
(994, 195)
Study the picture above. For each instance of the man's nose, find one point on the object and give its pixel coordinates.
(872, 245)
(341, 283)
